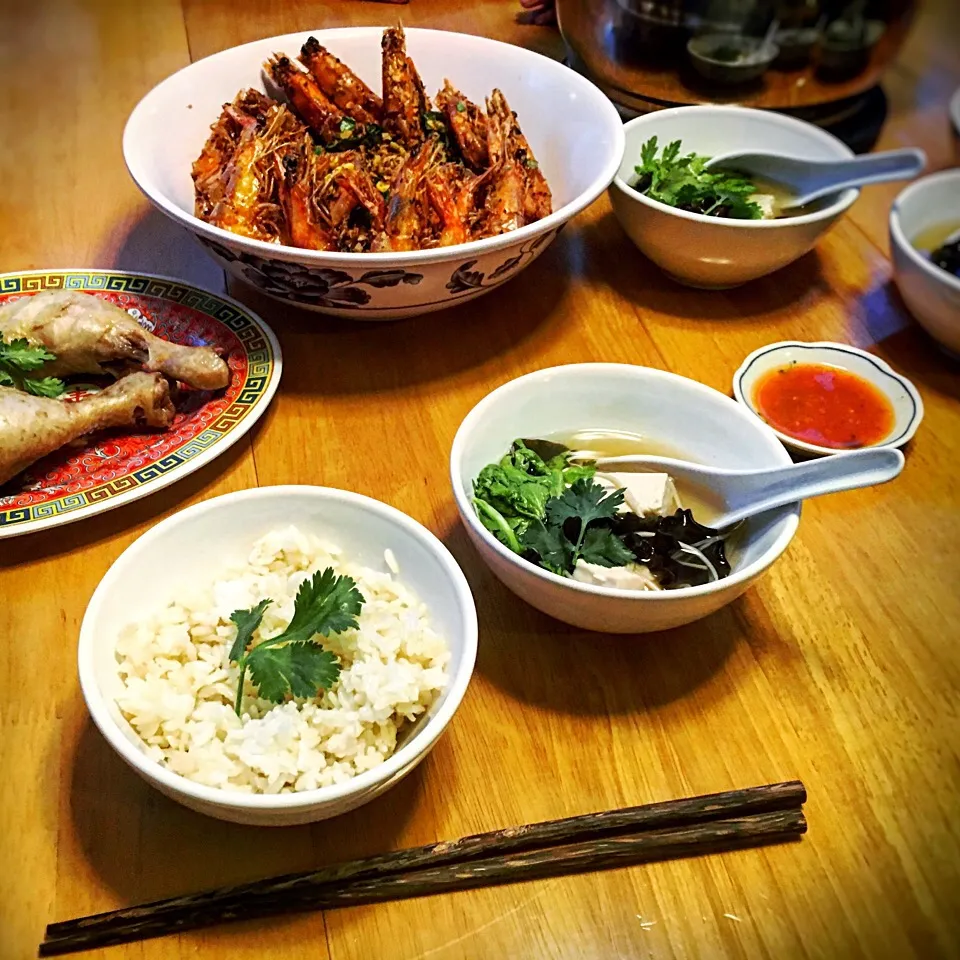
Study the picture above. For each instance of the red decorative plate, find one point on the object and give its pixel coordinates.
(116, 468)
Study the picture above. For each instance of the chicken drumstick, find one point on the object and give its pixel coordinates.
(86, 333)
(31, 427)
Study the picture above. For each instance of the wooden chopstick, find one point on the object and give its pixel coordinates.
(731, 803)
(700, 838)
(592, 841)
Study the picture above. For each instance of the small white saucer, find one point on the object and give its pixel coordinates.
(907, 405)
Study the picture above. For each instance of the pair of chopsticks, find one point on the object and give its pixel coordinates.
(594, 841)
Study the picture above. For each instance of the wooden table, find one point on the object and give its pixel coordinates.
(841, 667)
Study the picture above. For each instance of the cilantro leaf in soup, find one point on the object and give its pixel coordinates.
(685, 183)
(604, 548)
(551, 546)
(584, 501)
(565, 535)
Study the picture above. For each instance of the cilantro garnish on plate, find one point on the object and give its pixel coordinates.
(293, 663)
(682, 182)
(17, 358)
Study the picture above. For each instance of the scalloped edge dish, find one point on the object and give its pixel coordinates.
(902, 394)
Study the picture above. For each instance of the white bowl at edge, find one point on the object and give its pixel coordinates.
(192, 545)
(711, 252)
(902, 394)
(696, 420)
(573, 129)
(931, 294)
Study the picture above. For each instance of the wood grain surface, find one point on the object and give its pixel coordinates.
(840, 668)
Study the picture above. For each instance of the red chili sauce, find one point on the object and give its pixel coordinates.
(823, 405)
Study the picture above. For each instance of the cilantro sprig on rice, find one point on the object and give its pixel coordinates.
(293, 663)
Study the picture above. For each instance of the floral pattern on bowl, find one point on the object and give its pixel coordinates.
(325, 287)
(377, 294)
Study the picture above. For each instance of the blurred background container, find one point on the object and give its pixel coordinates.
(832, 55)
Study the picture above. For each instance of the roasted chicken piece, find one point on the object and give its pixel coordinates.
(31, 427)
(88, 335)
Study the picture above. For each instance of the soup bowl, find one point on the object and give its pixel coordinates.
(931, 294)
(698, 422)
(715, 252)
(574, 131)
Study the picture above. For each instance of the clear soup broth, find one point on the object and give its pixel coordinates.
(926, 241)
(619, 443)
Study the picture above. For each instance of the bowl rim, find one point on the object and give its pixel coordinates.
(843, 202)
(899, 236)
(884, 368)
(601, 104)
(416, 746)
(790, 513)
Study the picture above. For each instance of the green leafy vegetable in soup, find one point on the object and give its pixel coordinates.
(569, 519)
(511, 494)
(293, 663)
(682, 182)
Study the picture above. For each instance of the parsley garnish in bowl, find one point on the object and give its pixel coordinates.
(682, 182)
(294, 663)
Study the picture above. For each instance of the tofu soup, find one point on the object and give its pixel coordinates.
(547, 501)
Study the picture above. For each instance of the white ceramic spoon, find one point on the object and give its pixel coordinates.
(809, 180)
(744, 493)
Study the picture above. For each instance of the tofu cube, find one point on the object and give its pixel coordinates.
(645, 494)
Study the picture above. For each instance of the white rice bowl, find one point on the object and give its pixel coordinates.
(178, 686)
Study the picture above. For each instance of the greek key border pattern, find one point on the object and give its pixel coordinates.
(260, 365)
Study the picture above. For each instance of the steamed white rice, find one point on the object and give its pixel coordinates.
(178, 685)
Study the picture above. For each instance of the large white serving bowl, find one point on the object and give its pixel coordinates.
(697, 421)
(932, 295)
(573, 129)
(192, 545)
(711, 252)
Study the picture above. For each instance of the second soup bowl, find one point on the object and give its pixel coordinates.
(716, 252)
(698, 422)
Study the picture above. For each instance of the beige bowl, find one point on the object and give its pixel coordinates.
(707, 251)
